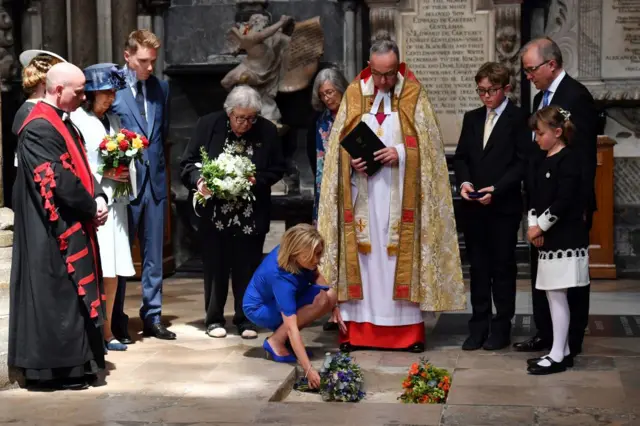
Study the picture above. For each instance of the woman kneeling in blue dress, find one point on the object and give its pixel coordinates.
(286, 295)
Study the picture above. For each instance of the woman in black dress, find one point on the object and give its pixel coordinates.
(557, 227)
(233, 233)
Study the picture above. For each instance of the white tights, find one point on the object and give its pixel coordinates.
(559, 307)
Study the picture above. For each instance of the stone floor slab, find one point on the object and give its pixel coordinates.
(581, 416)
(487, 415)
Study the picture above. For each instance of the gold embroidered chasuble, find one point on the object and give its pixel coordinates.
(424, 236)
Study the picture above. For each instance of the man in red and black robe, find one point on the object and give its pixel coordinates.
(57, 303)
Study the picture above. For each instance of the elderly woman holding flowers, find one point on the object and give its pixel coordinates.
(95, 124)
(287, 294)
(232, 231)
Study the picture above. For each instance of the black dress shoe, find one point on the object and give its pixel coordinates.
(126, 340)
(495, 343)
(539, 370)
(159, 331)
(535, 344)
(330, 326)
(346, 347)
(473, 343)
(567, 361)
(416, 348)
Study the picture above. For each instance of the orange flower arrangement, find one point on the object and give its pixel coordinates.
(426, 384)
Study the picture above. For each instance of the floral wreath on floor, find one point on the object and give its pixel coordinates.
(426, 384)
(340, 379)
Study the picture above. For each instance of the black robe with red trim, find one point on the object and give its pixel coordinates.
(57, 300)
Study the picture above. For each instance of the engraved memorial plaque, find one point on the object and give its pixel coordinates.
(621, 38)
(445, 42)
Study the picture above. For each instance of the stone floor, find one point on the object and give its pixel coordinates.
(196, 380)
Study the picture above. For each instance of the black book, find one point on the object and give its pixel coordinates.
(362, 142)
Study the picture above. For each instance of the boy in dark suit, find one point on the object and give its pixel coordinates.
(490, 163)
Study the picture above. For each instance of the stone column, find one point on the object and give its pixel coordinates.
(349, 52)
(159, 8)
(383, 15)
(32, 26)
(105, 49)
(54, 27)
(508, 41)
(126, 13)
(84, 32)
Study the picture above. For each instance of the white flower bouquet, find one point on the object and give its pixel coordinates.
(229, 177)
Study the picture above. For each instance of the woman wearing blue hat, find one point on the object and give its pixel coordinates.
(95, 122)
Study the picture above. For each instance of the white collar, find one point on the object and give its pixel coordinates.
(556, 82)
(500, 108)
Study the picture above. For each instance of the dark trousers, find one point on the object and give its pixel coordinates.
(225, 255)
(491, 243)
(578, 298)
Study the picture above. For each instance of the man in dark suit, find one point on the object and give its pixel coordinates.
(143, 108)
(490, 163)
(542, 63)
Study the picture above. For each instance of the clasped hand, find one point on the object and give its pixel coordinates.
(202, 188)
(387, 156)
(118, 176)
(485, 200)
(102, 212)
(534, 235)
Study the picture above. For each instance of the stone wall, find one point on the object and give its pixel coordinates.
(196, 63)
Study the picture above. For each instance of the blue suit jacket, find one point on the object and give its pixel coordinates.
(153, 163)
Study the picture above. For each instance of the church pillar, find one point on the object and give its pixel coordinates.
(84, 32)
(508, 41)
(126, 12)
(54, 27)
(349, 53)
(383, 15)
(105, 49)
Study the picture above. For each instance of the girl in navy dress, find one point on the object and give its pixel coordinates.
(286, 294)
(557, 227)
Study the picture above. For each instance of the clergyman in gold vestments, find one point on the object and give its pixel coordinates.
(391, 246)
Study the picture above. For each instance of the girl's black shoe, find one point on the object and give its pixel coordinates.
(555, 367)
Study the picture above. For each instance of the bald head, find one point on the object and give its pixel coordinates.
(542, 62)
(65, 86)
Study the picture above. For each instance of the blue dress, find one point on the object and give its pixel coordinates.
(273, 291)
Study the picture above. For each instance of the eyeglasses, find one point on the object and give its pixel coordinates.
(327, 94)
(533, 69)
(243, 120)
(388, 74)
(492, 91)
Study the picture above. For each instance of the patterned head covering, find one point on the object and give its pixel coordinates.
(105, 76)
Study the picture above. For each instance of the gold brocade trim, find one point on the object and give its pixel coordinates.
(364, 248)
(352, 262)
(392, 250)
(411, 192)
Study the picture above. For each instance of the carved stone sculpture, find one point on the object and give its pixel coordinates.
(280, 57)
(7, 60)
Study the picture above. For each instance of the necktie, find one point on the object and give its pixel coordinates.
(488, 126)
(140, 100)
(545, 98)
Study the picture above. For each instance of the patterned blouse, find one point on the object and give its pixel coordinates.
(235, 216)
(323, 130)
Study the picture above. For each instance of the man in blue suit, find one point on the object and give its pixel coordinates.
(143, 108)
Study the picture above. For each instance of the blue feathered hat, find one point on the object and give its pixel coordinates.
(105, 76)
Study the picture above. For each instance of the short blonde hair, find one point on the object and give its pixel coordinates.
(298, 240)
(141, 38)
(35, 72)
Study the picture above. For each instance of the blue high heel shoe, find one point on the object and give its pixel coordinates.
(277, 358)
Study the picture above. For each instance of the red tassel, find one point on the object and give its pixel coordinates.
(70, 268)
(47, 205)
(81, 291)
(94, 313)
(54, 216)
(36, 178)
